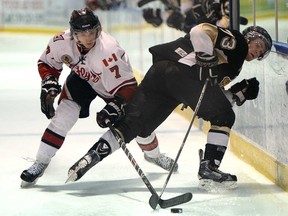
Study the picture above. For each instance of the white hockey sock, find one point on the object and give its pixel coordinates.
(149, 145)
(109, 137)
(45, 153)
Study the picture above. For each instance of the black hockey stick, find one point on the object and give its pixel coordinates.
(185, 138)
(183, 198)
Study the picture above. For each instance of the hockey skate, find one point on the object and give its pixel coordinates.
(30, 176)
(99, 150)
(163, 162)
(83, 165)
(212, 179)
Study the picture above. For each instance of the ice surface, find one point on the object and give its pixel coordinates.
(112, 187)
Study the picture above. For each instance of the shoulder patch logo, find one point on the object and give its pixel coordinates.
(181, 52)
(66, 59)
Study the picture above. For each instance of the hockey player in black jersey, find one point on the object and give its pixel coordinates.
(177, 76)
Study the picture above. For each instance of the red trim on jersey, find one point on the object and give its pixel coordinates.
(52, 139)
(150, 146)
(127, 92)
(45, 70)
(126, 82)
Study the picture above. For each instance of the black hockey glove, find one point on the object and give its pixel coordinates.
(176, 20)
(153, 16)
(49, 90)
(214, 13)
(207, 67)
(112, 111)
(245, 90)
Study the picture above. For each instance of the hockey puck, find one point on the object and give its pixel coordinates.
(176, 210)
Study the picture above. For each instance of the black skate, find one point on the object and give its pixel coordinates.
(32, 174)
(82, 166)
(212, 179)
(100, 150)
(162, 161)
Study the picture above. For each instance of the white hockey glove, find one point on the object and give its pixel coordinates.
(49, 90)
(245, 90)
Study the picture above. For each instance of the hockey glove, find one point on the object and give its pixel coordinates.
(153, 16)
(176, 20)
(245, 90)
(112, 111)
(49, 90)
(207, 67)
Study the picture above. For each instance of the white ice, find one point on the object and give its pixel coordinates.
(112, 187)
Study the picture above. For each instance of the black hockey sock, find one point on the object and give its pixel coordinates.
(102, 147)
(214, 153)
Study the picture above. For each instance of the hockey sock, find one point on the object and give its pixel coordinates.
(214, 153)
(149, 145)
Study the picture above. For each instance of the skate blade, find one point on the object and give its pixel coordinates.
(72, 177)
(72, 174)
(213, 186)
(25, 184)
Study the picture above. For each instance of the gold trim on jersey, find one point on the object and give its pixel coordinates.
(212, 32)
(219, 128)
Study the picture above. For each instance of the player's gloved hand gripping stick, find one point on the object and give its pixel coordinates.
(154, 199)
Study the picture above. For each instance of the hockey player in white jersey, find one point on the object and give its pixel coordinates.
(152, 150)
(99, 67)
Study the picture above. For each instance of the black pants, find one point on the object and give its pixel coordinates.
(165, 86)
(80, 91)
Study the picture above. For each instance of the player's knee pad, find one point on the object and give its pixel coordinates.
(220, 129)
(225, 119)
(66, 116)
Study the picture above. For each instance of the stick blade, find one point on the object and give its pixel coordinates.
(153, 201)
(183, 198)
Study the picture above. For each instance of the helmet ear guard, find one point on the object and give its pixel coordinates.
(253, 32)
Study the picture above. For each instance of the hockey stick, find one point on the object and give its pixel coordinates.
(183, 198)
(185, 138)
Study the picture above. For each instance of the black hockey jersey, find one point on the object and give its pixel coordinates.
(229, 45)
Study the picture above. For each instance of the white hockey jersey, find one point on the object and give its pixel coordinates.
(105, 67)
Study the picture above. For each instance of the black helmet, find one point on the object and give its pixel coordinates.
(84, 20)
(253, 32)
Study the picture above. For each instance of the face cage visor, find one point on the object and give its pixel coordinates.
(250, 36)
(97, 30)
